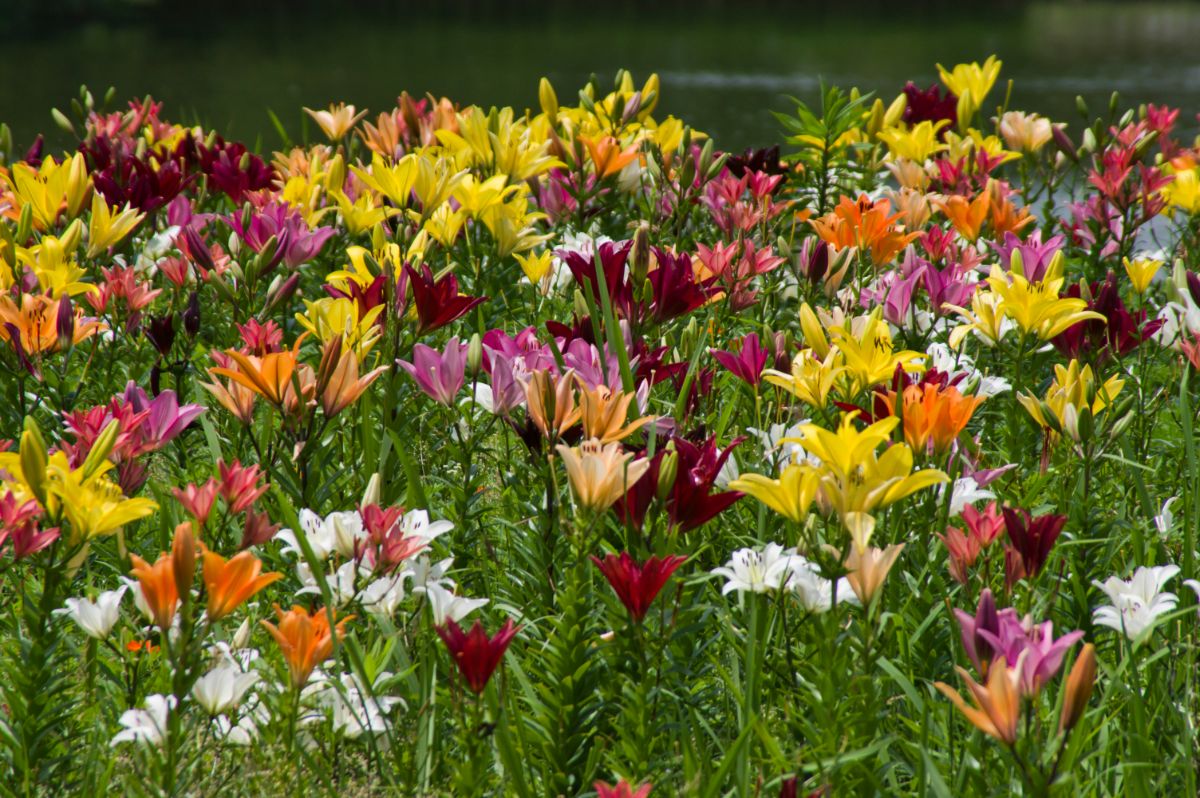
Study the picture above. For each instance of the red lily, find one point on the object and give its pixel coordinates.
(637, 585)
(477, 655)
(1032, 538)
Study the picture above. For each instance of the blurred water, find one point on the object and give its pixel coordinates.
(723, 66)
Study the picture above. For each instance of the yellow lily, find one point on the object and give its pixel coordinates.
(791, 495)
(330, 317)
(53, 262)
(362, 214)
(1141, 272)
(535, 266)
(971, 83)
(55, 187)
(393, 180)
(1036, 307)
(868, 357)
(811, 379)
(917, 143)
(444, 224)
(106, 229)
(1074, 389)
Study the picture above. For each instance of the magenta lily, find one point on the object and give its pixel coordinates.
(748, 363)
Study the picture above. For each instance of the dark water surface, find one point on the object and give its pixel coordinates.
(723, 65)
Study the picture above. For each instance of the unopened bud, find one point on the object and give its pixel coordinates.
(1079, 688)
(668, 470)
(547, 98)
(64, 325)
(641, 253)
(183, 558)
(474, 354)
(191, 315)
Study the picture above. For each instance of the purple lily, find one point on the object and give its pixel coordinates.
(1043, 654)
(297, 242)
(1035, 255)
(439, 375)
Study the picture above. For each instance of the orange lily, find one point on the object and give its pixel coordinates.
(233, 396)
(604, 413)
(159, 589)
(1006, 216)
(231, 582)
(932, 416)
(869, 226)
(551, 402)
(607, 155)
(967, 216)
(269, 376)
(997, 709)
(338, 381)
(305, 640)
(36, 323)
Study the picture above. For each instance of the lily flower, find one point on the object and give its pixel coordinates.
(997, 705)
(439, 375)
(477, 655)
(604, 412)
(223, 688)
(158, 590)
(106, 229)
(1136, 604)
(607, 156)
(747, 364)
(869, 569)
(96, 618)
(933, 416)
(600, 474)
(229, 583)
(756, 571)
(550, 402)
(148, 725)
(304, 639)
(1032, 538)
(637, 585)
(269, 376)
(622, 789)
(336, 122)
(791, 495)
(438, 302)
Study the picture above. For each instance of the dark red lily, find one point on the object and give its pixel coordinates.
(690, 503)
(929, 105)
(438, 302)
(476, 654)
(1032, 538)
(1120, 331)
(675, 289)
(637, 585)
(612, 257)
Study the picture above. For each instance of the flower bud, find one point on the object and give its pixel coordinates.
(183, 558)
(474, 354)
(64, 325)
(371, 494)
(547, 99)
(640, 265)
(668, 471)
(1078, 688)
(191, 316)
(241, 638)
(33, 459)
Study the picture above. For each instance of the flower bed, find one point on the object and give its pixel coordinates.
(468, 451)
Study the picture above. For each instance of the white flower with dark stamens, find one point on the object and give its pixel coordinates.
(1137, 603)
(756, 571)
